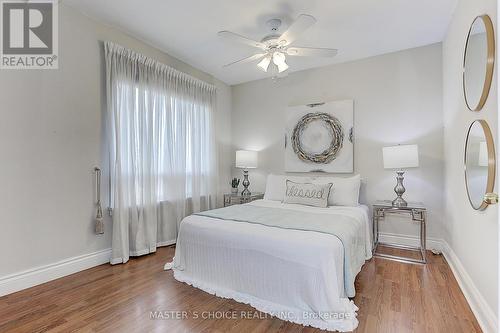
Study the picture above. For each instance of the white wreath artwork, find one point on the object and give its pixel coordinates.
(319, 138)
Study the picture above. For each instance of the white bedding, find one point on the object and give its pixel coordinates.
(293, 274)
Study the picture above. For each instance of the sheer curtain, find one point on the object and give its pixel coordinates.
(162, 150)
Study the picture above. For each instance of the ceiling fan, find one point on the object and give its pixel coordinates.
(274, 48)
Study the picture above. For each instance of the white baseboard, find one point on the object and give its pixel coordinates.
(38, 275)
(485, 316)
(32, 277)
(431, 243)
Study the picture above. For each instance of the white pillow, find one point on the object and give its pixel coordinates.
(307, 194)
(276, 185)
(345, 191)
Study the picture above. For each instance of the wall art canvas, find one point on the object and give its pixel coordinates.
(319, 137)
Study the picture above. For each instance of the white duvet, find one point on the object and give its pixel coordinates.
(295, 275)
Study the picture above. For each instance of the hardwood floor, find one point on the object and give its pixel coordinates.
(392, 297)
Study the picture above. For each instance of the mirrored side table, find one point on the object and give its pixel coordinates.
(238, 199)
(417, 212)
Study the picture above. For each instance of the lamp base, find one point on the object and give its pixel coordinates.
(245, 183)
(399, 189)
(399, 202)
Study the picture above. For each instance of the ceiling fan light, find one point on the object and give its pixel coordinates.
(279, 60)
(264, 63)
(278, 57)
(282, 67)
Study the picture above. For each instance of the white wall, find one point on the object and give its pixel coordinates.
(397, 99)
(51, 138)
(224, 137)
(471, 235)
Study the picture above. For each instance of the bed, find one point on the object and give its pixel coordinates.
(289, 271)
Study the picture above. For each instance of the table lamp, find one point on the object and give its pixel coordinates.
(400, 157)
(246, 159)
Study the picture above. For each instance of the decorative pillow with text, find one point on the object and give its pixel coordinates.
(307, 194)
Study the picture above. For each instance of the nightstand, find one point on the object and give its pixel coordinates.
(417, 212)
(237, 199)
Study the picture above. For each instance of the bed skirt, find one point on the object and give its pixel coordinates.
(276, 310)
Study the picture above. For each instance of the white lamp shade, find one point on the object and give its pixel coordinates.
(246, 159)
(400, 157)
(483, 154)
(264, 63)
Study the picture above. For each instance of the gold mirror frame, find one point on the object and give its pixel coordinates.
(490, 183)
(490, 62)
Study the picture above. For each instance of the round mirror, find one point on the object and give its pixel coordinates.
(479, 58)
(479, 163)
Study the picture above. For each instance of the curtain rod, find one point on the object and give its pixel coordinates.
(148, 61)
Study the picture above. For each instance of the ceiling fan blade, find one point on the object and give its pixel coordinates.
(247, 59)
(301, 24)
(231, 36)
(311, 52)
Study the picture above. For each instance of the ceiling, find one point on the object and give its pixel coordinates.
(187, 29)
